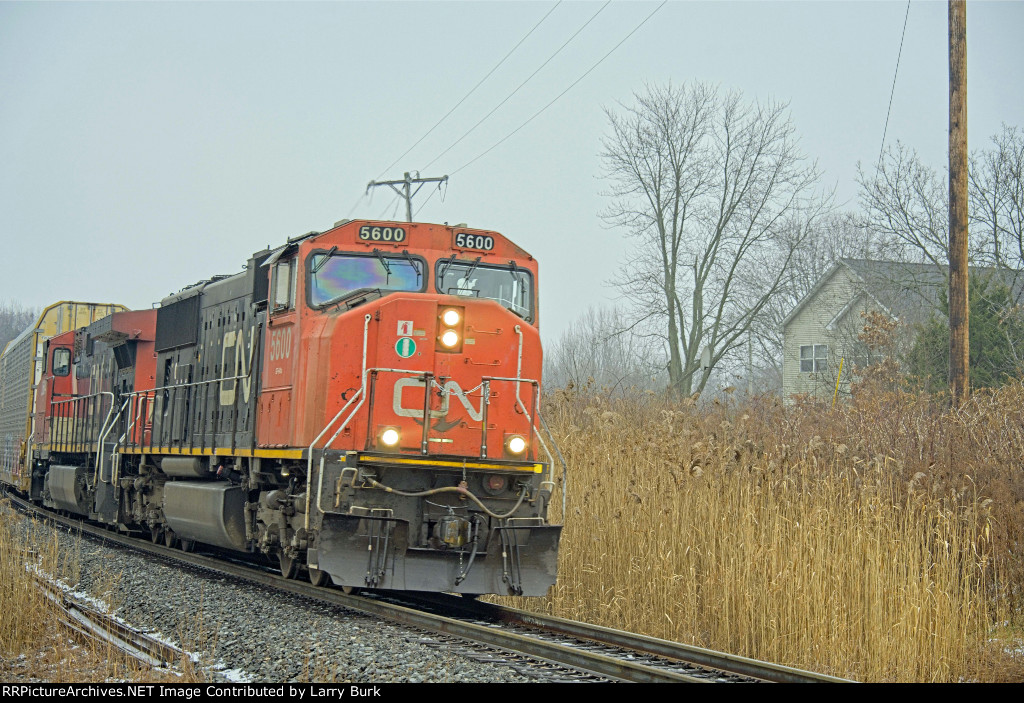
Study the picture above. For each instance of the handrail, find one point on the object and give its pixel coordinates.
(361, 394)
(309, 453)
(75, 401)
(98, 476)
(565, 469)
(175, 387)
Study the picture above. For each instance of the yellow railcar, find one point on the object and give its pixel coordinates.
(21, 366)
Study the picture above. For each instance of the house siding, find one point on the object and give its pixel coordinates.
(811, 326)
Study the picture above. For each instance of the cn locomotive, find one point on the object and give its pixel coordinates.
(359, 405)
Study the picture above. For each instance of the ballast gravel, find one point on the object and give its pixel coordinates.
(249, 633)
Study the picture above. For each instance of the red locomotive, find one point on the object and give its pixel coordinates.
(360, 404)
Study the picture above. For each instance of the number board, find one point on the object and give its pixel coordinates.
(381, 234)
(480, 242)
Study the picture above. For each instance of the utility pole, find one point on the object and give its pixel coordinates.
(959, 350)
(407, 192)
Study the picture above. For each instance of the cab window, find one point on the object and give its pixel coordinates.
(508, 285)
(284, 286)
(61, 361)
(334, 276)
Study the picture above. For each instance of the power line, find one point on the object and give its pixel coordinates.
(393, 201)
(472, 90)
(528, 79)
(354, 206)
(891, 94)
(557, 97)
(432, 194)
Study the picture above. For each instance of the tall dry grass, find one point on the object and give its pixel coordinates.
(35, 645)
(876, 541)
(24, 607)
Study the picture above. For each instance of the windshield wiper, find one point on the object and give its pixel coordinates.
(447, 265)
(384, 263)
(514, 270)
(472, 268)
(322, 262)
(415, 265)
(518, 275)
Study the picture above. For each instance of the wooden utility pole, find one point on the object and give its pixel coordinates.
(406, 192)
(959, 351)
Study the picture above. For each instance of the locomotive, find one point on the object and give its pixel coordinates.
(360, 405)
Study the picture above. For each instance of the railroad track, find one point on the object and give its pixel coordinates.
(97, 625)
(592, 650)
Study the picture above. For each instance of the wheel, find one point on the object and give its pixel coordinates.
(155, 535)
(170, 539)
(318, 577)
(187, 545)
(349, 590)
(289, 565)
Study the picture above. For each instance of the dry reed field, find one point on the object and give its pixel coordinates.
(34, 644)
(878, 540)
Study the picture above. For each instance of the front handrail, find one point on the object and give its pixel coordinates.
(76, 402)
(98, 477)
(309, 453)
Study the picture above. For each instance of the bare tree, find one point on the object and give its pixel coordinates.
(996, 195)
(14, 319)
(704, 183)
(905, 202)
(599, 349)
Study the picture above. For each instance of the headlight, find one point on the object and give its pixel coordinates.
(450, 339)
(389, 437)
(450, 323)
(515, 444)
(451, 317)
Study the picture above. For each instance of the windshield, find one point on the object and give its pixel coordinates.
(509, 285)
(334, 276)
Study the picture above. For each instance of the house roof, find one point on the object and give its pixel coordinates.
(906, 290)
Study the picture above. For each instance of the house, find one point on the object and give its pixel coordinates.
(823, 329)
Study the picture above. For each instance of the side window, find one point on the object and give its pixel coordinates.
(813, 357)
(61, 361)
(284, 285)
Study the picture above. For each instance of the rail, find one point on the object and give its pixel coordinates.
(617, 654)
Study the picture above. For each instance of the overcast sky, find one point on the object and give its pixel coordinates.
(145, 146)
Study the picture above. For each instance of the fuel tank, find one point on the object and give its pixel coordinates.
(212, 512)
(68, 490)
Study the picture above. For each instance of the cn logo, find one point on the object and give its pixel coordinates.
(449, 389)
(234, 368)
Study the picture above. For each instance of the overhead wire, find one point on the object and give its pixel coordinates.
(557, 97)
(432, 194)
(885, 130)
(520, 86)
(472, 90)
(387, 207)
(354, 206)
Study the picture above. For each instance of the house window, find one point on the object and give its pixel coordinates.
(813, 357)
